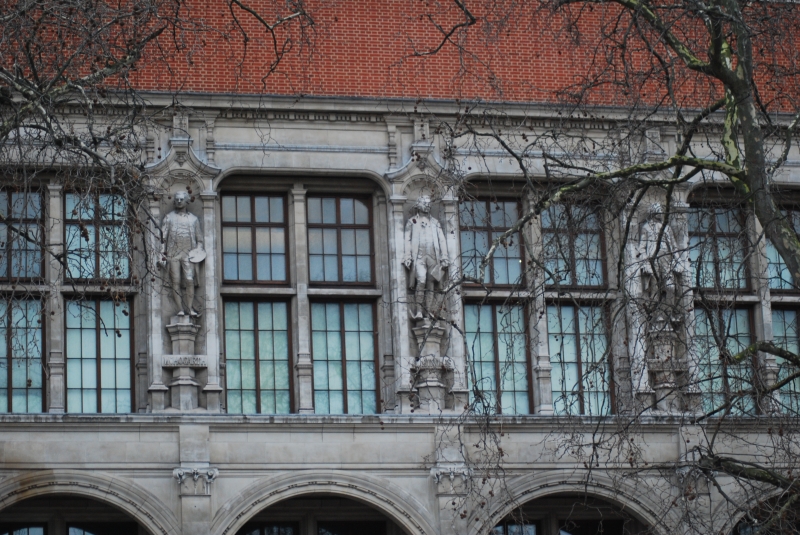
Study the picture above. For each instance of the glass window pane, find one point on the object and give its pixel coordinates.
(243, 210)
(229, 209)
(329, 211)
(347, 211)
(276, 209)
(314, 210)
(362, 213)
(262, 207)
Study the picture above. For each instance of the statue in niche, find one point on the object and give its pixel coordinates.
(181, 252)
(425, 257)
(662, 265)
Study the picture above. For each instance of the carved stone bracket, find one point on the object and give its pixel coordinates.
(451, 479)
(194, 481)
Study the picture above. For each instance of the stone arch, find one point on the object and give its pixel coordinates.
(374, 177)
(624, 495)
(381, 494)
(124, 494)
(734, 515)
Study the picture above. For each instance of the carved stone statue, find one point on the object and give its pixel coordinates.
(425, 256)
(662, 264)
(181, 251)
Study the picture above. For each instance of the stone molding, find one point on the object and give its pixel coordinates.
(380, 493)
(121, 493)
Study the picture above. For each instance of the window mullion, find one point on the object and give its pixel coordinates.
(579, 359)
(98, 356)
(257, 356)
(344, 356)
(496, 335)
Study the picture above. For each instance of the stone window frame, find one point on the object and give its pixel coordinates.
(291, 361)
(132, 346)
(494, 304)
(255, 225)
(339, 226)
(490, 272)
(97, 222)
(9, 368)
(10, 236)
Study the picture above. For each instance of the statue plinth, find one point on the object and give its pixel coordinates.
(184, 386)
(430, 370)
(661, 364)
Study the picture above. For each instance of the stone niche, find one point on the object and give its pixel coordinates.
(183, 365)
(425, 246)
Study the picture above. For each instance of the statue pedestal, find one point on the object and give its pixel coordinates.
(661, 365)
(184, 387)
(431, 369)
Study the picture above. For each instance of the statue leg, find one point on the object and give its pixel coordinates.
(188, 277)
(175, 284)
(420, 274)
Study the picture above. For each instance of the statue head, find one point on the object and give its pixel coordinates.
(181, 199)
(423, 204)
(655, 211)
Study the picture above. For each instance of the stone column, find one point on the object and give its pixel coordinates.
(213, 389)
(299, 259)
(403, 358)
(155, 344)
(55, 324)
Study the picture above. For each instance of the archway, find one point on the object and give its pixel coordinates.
(320, 514)
(119, 494)
(567, 487)
(776, 516)
(381, 495)
(570, 514)
(59, 514)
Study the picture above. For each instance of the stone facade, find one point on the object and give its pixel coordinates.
(184, 462)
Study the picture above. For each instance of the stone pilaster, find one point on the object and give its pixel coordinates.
(299, 278)
(383, 275)
(540, 348)
(212, 389)
(55, 326)
(455, 346)
(155, 343)
(403, 358)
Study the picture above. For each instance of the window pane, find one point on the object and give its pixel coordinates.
(787, 336)
(328, 335)
(257, 354)
(254, 248)
(21, 324)
(718, 381)
(717, 248)
(99, 343)
(339, 254)
(578, 343)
